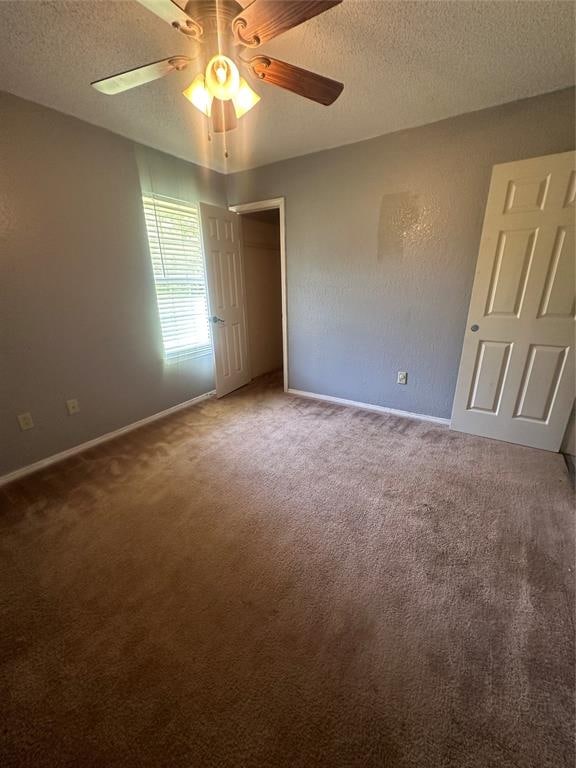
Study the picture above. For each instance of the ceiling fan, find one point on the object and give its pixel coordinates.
(221, 31)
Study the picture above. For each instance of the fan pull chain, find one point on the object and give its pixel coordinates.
(209, 137)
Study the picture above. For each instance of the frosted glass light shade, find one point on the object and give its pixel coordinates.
(244, 98)
(199, 95)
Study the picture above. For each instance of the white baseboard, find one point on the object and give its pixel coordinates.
(57, 457)
(370, 407)
(23, 471)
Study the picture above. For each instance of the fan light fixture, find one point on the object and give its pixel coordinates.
(230, 26)
(222, 81)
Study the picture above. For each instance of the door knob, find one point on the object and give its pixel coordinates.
(474, 328)
(216, 319)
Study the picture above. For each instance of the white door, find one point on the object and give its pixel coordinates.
(516, 378)
(225, 273)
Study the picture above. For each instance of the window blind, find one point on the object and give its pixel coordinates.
(176, 251)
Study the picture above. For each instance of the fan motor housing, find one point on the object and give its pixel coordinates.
(215, 16)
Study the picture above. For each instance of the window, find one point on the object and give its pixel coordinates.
(176, 252)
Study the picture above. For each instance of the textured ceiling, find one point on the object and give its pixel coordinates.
(403, 64)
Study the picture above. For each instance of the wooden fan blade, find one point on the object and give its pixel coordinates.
(301, 81)
(223, 116)
(132, 78)
(171, 12)
(265, 19)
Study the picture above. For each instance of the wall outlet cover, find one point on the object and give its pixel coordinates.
(402, 377)
(26, 421)
(73, 406)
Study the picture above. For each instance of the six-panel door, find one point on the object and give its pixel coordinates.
(223, 255)
(516, 378)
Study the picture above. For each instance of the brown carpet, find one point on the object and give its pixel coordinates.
(271, 582)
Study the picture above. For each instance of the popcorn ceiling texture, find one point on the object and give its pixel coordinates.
(403, 64)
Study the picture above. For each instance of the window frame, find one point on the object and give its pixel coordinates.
(154, 205)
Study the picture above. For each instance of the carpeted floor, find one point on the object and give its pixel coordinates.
(272, 582)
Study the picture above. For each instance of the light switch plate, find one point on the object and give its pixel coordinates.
(26, 421)
(402, 377)
(73, 406)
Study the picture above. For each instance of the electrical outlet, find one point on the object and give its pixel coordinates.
(402, 377)
(26, 421)
(73, 406)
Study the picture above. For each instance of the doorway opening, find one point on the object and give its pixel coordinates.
(262, 231)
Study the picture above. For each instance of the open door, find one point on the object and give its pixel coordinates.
(225, 276)
(516, 378)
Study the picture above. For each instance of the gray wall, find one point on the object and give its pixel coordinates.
(78, 312)
(382, 239)
(261, 247)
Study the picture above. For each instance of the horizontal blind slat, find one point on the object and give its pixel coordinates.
(178, 266)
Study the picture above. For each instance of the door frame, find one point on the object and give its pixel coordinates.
(276, 203)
